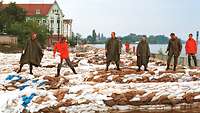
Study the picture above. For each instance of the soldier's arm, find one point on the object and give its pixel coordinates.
(137, 50)
(168, 47)
(107, 44)
(26, 46)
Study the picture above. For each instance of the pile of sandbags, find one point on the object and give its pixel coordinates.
(140, 97)
(111, 75)
(195, 74)
(55, 82)
(123, 98)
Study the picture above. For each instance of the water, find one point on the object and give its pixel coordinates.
(154, 48)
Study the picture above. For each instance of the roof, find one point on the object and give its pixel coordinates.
(31, 8)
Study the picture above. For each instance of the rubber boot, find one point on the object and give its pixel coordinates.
(20, 69)
(118, 67)
(106, 68)
(58, 73)
(139, 69)
(167, 67)
(31, 69)
(145, 69)
(74, 71)
(174, 68)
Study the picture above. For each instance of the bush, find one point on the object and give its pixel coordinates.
(23, 31)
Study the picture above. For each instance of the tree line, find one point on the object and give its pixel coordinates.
(131, 38)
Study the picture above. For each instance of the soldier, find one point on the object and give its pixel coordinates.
(112, 51)
(62, 47)
(127, 47)
(191, 50)
(32, 54)
(143, 54)
(174, 49)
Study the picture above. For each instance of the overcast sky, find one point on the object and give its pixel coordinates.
(130, 16)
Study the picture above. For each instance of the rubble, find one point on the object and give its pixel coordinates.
(93, 89)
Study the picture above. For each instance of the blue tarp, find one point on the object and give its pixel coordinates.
(27, 99)
(15, 77)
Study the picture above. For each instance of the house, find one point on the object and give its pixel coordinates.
(49, 15)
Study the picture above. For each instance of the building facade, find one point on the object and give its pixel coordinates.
(49, 15)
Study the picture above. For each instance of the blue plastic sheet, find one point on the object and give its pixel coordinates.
(15, 77)
(35, 81)
(27, 99)
(22, 87)
(39, 82)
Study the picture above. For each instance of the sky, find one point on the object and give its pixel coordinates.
(149, 17)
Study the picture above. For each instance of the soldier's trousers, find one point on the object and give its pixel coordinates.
(30, 67)
(170, 58)
(194, 58)
(68, 63)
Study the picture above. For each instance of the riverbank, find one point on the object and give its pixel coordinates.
(93, 89)
(154, 48)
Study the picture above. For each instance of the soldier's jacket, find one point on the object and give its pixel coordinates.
(143, 53)
(174, 47)
(32, 54)
(113, 50)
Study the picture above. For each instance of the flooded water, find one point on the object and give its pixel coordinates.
(155, 48)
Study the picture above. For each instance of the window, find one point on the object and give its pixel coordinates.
(37, 12)
(38, 21)
(52, 21)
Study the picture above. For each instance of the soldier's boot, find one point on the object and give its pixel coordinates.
(20, 69)
(107, 65)
(106, 68)
(167, 67)
(31, 69)
(139, 69)
(74, 71)
(118, 67)
(189, 61)
(174, 68)
(58, 73)
(145, 69)
(195, 60)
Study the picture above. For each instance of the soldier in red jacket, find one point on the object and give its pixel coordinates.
(191, 49)
(127, 47)
(62, 47)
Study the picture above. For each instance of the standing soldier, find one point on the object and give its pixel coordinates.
(62, 47)
(143, 53)
(191, 50)
(112, 51)
(127, 47)
(32, 54)
(174, 49)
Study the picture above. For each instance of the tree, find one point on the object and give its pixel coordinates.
(94, 35)
(3, 21)
(90, 39)
(15, 13)
(26, 28)
(10, 15)
(78, 37)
